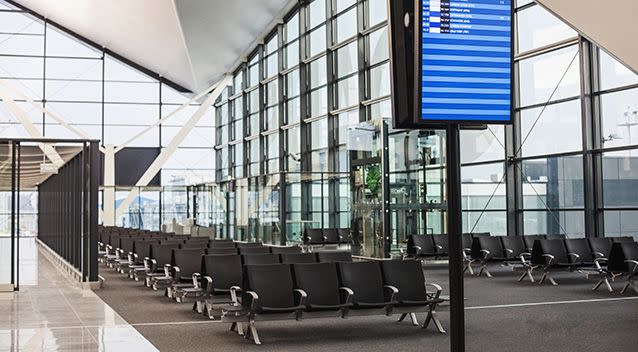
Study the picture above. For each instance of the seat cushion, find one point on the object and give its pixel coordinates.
(271, 310)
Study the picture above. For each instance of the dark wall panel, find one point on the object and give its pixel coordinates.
(131, 163)
(67, 211)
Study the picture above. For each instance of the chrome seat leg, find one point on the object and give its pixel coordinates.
(402, 317)
(415, 322)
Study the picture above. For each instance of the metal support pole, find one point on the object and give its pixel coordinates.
(454, 225)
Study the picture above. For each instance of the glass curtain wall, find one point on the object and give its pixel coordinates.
(325, 69)
(105, 99)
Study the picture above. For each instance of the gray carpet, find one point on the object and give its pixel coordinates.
(579, 326)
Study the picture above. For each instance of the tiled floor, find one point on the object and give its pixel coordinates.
(56, 315)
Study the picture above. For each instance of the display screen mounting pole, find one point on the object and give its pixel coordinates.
(454, 230)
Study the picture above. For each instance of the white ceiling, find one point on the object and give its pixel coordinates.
(611, 25)
(190, 42)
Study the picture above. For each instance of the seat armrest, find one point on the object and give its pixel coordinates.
(302, 296)
(598, 255)
(233, 294)
(347, 294)
(486, 253)
(438, 288)
(196, 279)
(391, 292)
(575, 257)
(549, 258)
(254, 299)
(438, 247)
(635, 263)
(152, 265)
(418, 250)
(167, 270)
(508, 251)
(209, 284)
(599, 260)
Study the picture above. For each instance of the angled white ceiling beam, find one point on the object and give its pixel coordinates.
(167, 152)
(22, 117)
(163, 119)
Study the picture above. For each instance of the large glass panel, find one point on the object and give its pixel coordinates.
(537, 28)
(553, 129)
(620, 118)
(571, 223)
(346, 26)
(483, 145)
(620, 179)
(621, 223)
(554, 183)
(540, 76)
(614, 74)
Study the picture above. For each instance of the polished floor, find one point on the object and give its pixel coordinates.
(50, 313)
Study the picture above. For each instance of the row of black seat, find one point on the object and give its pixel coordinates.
(221, 272)
(345, 289)
(552, 253)
(328, 236)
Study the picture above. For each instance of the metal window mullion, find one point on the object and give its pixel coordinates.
(304, 128)
(588, 134)
(332, 103)
(597, 141)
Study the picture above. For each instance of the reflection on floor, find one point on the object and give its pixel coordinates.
(55, 315)
(28, 260)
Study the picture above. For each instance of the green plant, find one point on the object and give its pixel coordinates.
(373, 179)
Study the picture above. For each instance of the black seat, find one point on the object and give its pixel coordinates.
(622, 239)
(313, 237)
(254, 250)
(162, 254)
(274, 288)
(407, 276)
(551, 255)
(514, 246)
(222, 250)
(186, 262)
(529, 240)
(421, 246)
(466, 240)
(269, 290)
(280, 250)
(160, 262)
(332, 236)
(194, 245)
(248, 244)
(623, 258)
(298, 258)
(601, 247)
(333, 256)
(480, 234)
(321, 282)
(221, 244)
(223, 272)
(366, 281)
(345, 234)
(186, 268)
(441, 243)
(488, 249)
(260, 259)
(222, 277)
(579, 251)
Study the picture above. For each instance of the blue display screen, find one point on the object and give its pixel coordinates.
(466, 60)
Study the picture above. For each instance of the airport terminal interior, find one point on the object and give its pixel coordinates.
(209, 175)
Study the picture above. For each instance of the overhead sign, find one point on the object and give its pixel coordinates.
(464, 61)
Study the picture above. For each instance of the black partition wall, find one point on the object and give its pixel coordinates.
(68, 210)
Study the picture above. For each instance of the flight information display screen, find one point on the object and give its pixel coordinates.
(465, 61)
